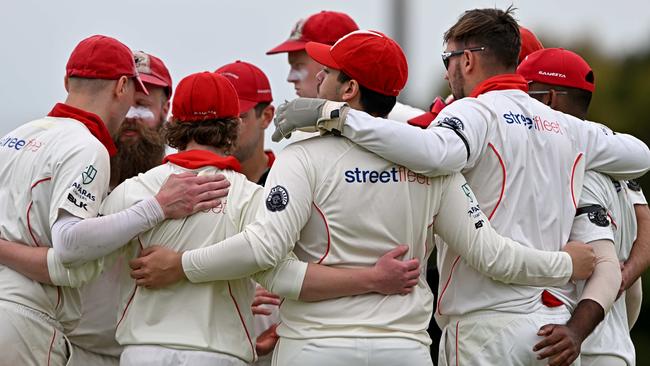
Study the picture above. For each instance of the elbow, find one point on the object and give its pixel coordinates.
(66, 256)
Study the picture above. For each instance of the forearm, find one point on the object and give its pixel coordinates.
(602, 287)
(77, 241)
(432, 152)
(286, 279)
(323, 282)
(29, 261)
(639, 258)
(586, 316)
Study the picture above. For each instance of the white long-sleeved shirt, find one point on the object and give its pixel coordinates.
(524, 161)
(47, 166)
(618, 224)
(337, 204)
(213, 316)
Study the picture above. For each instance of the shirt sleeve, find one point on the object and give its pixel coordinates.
(635, 193)
(78, 276)
(80, 182)
(285, 279)
(618, 155)
(591, 222)
(453, 142)
(467, 231)
(264, 243)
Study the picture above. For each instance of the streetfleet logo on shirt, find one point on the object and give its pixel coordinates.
(536, 123)
(394, 175)
(18, 144)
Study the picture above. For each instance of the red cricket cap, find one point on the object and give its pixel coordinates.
(324, 27)
(529, 43)
(153, 71)
(102, 57)
(370, 57)
(557, 66)
(204, 95)
(250, 82)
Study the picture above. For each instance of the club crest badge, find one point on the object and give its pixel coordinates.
(278, 199)
(89, 174)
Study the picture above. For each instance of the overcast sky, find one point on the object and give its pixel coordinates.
(196, 35)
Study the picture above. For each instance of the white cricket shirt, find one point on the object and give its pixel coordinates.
(48, 165)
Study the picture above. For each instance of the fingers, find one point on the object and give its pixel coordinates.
(268, 300)
(138, 274)
(136, 263)
(259, 310)
(207, 205)
(550, 337)
(559, 345)
(565, 358)
(399, 251)
(277, 135)
(412, 265)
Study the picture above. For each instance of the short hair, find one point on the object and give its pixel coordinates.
(579, 98)
(494, 29)
(88, 85)
(373, 103)
(260, 107)
(219, 133)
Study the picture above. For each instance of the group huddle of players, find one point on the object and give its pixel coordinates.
(225, 254)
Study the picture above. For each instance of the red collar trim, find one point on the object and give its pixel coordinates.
(92, 121)
(271, 156)
(195, 159)
(500, 82)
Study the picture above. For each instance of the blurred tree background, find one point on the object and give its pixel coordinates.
(622, 102)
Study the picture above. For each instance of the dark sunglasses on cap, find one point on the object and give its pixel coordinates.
(447, 55)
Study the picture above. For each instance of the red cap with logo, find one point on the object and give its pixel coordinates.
(557, 66)
(204, 95)
(370, 57)
(251, 83)
(153, 71)
(102, 57)
(324, 27)
(529, 43)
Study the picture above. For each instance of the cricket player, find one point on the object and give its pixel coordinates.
(255, 98)
(323, 27)
(55, 172)
(334, 203)
(606, 210)
(140, 147)
(524, 160)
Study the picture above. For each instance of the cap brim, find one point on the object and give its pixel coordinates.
(246, 105)
(288, 46)
(320, 52)
(139, 85)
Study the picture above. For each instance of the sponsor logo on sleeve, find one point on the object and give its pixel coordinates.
(18, 144)
(597, 214)
(278, 199)
(452, 122)
(79, 204)
(89, 174)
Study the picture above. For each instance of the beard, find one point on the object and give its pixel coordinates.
(458, 84)
(135, 156)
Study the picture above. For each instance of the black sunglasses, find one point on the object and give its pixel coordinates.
(447, 55)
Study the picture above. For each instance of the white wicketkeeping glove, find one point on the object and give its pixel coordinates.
(309, 115)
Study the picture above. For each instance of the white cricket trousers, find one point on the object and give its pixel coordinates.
(30, 338)
(351, 351)
(602, 360)
(163, 356)
(497, 338)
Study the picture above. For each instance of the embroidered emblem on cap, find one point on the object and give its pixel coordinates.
(142, 62)
(278, 199)
(296, 32)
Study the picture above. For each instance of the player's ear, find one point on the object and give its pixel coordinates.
(66, 83)
(122, 86)
(267, 115)
(350, 90)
